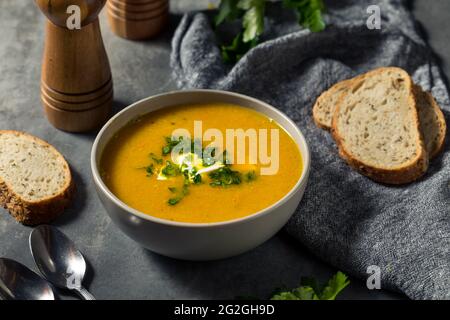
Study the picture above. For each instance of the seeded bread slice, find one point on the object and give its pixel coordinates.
(376, 127)
(325, 104)
(35, 180)
(432, 121)
(431, 118)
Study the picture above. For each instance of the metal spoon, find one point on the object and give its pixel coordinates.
(17, 282)
(59, 260)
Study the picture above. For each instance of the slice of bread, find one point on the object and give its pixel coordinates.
(35, 180)
(323, 109)
(376, 127)
(431, 118)
(432, 121)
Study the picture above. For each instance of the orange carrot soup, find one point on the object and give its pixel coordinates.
(201, 163)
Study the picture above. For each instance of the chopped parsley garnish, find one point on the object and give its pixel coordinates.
(209, 157)
(170, 170)
(174, 201)
(250, 176)
(184, 191)
(197, 178)
(170, 144)
(156, 159)
(150, 170)
(224, 177)
(166, 150)
(193, 167)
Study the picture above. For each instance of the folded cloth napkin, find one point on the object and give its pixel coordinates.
(344, 218)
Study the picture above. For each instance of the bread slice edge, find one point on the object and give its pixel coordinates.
(441, 119)
(324, 96)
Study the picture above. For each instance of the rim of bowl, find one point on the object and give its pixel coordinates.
(306, 158)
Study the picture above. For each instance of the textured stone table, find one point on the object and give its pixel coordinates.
(121, 269)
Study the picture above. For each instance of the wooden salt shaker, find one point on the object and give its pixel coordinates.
(76, 84)
(138, 19)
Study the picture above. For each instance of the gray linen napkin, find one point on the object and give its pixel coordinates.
(344, 218)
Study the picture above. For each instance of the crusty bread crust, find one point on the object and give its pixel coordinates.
(441, 121)
(405, 173)
(443, 124)
(44, 210)
(324, 98)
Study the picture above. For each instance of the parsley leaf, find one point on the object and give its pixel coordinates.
(250, 176)
(253, 19)
(334, 286)
(224, 177)
(309, 13)
(170, 144)
(251, 12)
(156, 159)
(301, 293)
(309, 289)
(170, 170)
(197, 179)
(228, 10)
(173, 201)
(150, 170)
(234, 52)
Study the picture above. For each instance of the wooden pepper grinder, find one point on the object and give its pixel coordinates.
(138, 19)
(76, 86)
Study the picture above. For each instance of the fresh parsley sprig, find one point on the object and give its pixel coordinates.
(310, 290)
(252, 13)
(309, 13)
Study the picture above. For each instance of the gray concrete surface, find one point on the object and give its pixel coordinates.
(119, 268)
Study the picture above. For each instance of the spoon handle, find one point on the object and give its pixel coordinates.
(84, 294)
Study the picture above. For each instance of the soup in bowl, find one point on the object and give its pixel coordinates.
(200, 174)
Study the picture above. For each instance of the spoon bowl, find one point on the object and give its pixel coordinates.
(17, 282)
(58, 260)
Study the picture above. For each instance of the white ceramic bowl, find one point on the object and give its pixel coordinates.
(198, 241)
